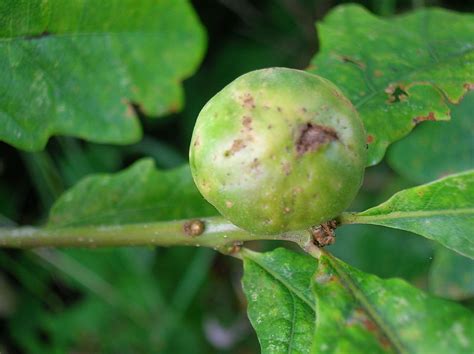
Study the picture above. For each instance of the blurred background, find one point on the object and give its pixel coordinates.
(177, 300)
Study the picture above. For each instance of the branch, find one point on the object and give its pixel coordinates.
(214, 232)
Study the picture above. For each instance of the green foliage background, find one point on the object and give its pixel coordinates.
(181, 300)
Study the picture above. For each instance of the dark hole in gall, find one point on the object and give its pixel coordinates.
(313, 136)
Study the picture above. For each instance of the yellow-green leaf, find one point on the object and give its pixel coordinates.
(140, 193)
(442, 211)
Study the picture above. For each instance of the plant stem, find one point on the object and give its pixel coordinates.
(347, 218)
(214, 232)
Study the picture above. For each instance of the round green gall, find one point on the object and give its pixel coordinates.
(278, 150)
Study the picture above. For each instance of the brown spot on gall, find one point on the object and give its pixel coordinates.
(254, 164)
(313, 136)
(237, 145)
(286, 167)
(248, 101)
(247, 122)
(370, 139)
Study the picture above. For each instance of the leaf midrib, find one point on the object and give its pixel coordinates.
(292, 291)
(69, 35)
(349, 284)
(287, 285)
(364, 218)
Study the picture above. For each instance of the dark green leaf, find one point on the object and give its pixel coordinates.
(280, 303)
(452, 275)
(399, 71)
(378, 250)
(74, 67)
(361, 313)
(44, 176)
(140, 193)
(438, 149)
(442, 211)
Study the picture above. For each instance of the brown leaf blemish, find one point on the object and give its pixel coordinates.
(370, 139)
(324, 278)
(360, 317)
(346, 59)
(131, 109)
(419, 119)
(313, 136)
(396, 93)
(469, 86)
(378, 73)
